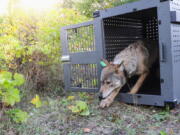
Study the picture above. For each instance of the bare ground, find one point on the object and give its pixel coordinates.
(54, 118)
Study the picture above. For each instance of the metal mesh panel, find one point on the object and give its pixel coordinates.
(175, 5)
(151, 29)
(122, 30)
(81, 39)
(84, 76)
(176, 42)
(119, 33)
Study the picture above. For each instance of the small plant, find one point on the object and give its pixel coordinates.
(163, 133)
(83, 95)
(64, 102)
(36, 101)
(18, 115)
(161, 116)
(80, 108)
(9, 94)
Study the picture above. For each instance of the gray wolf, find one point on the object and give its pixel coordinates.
(136, 59)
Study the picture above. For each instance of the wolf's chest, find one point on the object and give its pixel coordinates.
(130, 61)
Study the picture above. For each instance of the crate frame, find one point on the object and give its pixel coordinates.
(168, 17)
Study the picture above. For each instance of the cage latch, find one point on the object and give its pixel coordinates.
(96, 14)
(65, 58)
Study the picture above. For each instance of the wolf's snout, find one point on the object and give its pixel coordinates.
(100, 96)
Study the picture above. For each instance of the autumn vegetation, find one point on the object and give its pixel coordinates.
(31, 73)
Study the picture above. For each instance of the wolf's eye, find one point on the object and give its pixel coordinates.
(108, 82)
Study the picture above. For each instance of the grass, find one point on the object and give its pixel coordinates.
(54, 118)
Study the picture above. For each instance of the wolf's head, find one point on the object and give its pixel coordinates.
(112, 78)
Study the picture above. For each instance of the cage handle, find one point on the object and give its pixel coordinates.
(162, 52)
(175, 17)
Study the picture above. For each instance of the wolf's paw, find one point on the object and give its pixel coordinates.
(105, 103)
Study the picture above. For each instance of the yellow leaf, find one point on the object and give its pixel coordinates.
(70, 107)
(70, 97)
(36, 101)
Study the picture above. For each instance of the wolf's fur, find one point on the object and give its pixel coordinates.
(136, 59)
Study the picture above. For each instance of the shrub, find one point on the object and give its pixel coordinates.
(17, 115)
(30, 44)
(9, 93)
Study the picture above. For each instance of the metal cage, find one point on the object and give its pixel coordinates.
(114, 29)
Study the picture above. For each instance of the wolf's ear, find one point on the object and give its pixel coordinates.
(122, 68)
(120, 65)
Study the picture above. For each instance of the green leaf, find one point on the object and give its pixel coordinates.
(85, 112)
(18, 79)
(81, 105)
(163, 133)
(1, 92)
(161, 116)
(75, 109)
(18, 115)
(11, 96)
(6, 75)
(80, 108)
(9, 93)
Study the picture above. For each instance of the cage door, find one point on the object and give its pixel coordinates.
(80, 57)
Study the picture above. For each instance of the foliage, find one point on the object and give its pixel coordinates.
(9, 94)
(17, 115)
(30, 44)
(83, 95)
(11, 49)
(163, 133)
(70, 97)
(64, 102)
(87, 7)
(80, 108)
(36, 101)
(161, 116)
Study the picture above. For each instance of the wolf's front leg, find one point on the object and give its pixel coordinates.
(139, 83)
(108, 101)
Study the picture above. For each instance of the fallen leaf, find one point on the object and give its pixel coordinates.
(36, 101)
(87, 130)
(171, 132)
(70, 97)
(70, 107)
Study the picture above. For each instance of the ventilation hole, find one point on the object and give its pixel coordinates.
(84, 76)
(81, 39)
